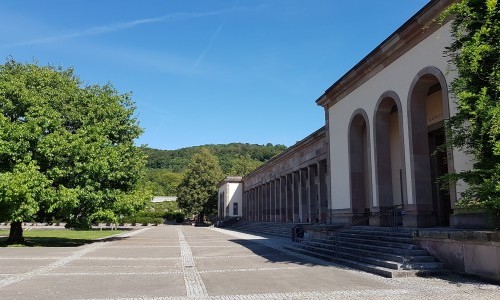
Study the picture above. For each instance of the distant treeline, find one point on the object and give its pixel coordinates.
(177, 160)
(166, 167)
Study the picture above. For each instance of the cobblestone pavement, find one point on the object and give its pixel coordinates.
(184, 262)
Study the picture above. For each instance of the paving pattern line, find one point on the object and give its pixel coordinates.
(236, 256)
(253, 269)
(128, 258)
(195, 288)
(110, 273)
(344, 294)
(59, 263)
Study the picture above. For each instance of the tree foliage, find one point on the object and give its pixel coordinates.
(161, 182)
(475, 54)
(197, 193)
(243, 165)
(177, 160)
(66, 150)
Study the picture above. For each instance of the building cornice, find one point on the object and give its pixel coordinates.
(415, 30)
(308, 140)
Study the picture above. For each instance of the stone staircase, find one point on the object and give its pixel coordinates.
(278, 229)
(372, 249)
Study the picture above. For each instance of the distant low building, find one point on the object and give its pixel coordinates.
(157, 199)
(230, 197)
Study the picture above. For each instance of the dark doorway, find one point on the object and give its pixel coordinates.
(439, 167)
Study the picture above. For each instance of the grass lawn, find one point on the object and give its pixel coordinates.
(57, 237)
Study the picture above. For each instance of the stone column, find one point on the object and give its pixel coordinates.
(266, 201)
(323, 191)
(283, 199)
(273, 201)
(257, 204)
(261, 203)
(254, 205)
(289, 197)
(296, 196)
(304, 196)
(313, 193)
(243, 202)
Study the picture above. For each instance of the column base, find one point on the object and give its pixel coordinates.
(419, 216)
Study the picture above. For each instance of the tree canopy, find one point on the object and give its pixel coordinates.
(197, 192)
(66, 149)
(475, 55)
(161, 182)
(177, 160)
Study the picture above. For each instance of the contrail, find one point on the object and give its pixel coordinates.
(98, 30)
(202, 55)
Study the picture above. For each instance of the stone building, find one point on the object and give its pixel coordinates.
(384, 120)
(291, 187)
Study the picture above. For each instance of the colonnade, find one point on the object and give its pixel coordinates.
(300, 196)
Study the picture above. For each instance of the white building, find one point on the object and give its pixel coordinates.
(230, 197)
(385, 118)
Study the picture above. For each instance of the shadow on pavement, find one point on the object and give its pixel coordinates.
(276, 256)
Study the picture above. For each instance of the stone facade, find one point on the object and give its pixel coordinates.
(291, 187)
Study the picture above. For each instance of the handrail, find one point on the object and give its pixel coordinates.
(394, 224)
(393, 212)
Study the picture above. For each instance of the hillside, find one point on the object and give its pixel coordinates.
(177, 160)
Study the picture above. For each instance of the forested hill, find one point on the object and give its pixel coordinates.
(228, 154)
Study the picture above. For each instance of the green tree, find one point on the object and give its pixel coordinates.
(66, 150)
(243, 165)
(161, 182)
(475, 55)
(197, 192)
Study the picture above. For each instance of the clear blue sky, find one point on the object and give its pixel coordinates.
(207, 71)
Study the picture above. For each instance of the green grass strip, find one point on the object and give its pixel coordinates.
(57, 237)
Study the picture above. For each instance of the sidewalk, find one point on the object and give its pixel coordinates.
(186, 262)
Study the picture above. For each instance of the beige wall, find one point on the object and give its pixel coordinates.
(397, 77)
(233, 193)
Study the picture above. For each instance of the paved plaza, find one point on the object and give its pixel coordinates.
(184, 262)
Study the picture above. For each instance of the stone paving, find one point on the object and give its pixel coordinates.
(184, 262)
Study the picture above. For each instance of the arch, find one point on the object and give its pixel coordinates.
(390, 173)
(359, 164)
(428, 108)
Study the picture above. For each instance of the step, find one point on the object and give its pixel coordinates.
(380, 255)
(355, 264)
(405, 234)
(381, 242)
(403, 252)
(391, 262)
(396, 239)
(364, 259)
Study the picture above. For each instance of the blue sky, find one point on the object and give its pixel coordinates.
(207, 71)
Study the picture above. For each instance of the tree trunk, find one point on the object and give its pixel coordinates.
(16, 233)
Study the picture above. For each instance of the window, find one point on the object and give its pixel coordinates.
(235, 209)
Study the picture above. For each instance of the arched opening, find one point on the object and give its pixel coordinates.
(359, 159)
(389, 154)
(428, 109)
